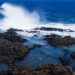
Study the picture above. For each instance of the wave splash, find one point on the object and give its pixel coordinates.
(17, 17)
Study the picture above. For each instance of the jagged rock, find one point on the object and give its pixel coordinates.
(12, 36)
(44, 69)
(12, 51)
(12, 29)
(53, 29)
(56, 40)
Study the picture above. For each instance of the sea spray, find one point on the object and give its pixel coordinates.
(17, 17)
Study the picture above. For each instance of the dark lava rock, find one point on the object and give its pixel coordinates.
(64, 61)
(53, 29)
(44, 69)
(56, 40)
(12, 36)
(73, 56)
(32, 31)
(12, 29)
(37, 45)
(12, 51)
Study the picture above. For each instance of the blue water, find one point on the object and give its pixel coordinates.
(54, 11)
(47, 53)
(3, 66)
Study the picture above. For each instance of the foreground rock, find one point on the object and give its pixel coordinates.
(12, 36)
(12, 51)
(44, 69)
(56, 40)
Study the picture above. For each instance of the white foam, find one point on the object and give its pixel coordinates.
(17, 17)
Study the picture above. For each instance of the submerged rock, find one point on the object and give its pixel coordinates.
(56, 40)
(44, 69)
(64, 61)
(12, 51)
(73, 56)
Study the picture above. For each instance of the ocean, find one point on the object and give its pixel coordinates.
(37, 13)
(56, 12)
(62, 12)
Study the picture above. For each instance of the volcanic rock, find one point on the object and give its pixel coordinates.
(44, 69)
(53, 29)
(12, 36)
(12, 51)
(56, 40)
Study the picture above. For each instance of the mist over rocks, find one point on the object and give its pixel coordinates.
(53, 29)
(43, 31)
(12, 36)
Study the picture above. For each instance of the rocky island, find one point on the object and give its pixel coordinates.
(56, 40)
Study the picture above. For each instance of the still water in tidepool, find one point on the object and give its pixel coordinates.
(45, 54)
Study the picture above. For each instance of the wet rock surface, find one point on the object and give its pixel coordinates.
(11, 47)
(56, 40)
(64, 61)
(12, 36)
(12, 51)
(53, 29)
(73, 56)
(44, 69)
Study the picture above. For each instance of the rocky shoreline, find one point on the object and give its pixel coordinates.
(9, 52)
(12, 48)
(12, 36)
(43, 69)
